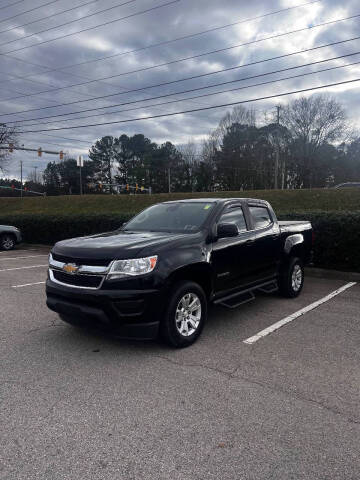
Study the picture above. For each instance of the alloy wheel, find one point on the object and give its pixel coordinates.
(296, 278)
(188, 314)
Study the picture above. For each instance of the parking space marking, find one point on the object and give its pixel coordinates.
(22, 268)
(297, 314)
(19, 258)
(27, 285)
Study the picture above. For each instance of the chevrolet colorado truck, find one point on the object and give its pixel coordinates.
(9, 237)
(158, 273)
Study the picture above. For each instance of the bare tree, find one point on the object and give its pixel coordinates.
(7, 136)
(313, 122)
(240, 115)
(189, 153)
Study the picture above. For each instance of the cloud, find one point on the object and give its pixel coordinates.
(43, 65)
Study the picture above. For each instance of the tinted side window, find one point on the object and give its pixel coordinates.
(261, 217)
(234, 215)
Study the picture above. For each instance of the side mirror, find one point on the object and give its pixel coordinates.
(225, 230)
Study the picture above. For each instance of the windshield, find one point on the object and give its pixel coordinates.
(171, 217)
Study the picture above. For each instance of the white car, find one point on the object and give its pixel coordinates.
(9, 237)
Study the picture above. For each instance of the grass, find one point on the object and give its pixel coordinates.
(283, 202)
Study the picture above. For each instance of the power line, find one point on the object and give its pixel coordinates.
(47, 17)
(175, 81)
(21, 60)
(27, 11)
(11, 4)
(193, 110)
(146, 47)
(170, 41)
(66, 23)
(181, 60)
(93, 27)
(214, 85)
(65, 138)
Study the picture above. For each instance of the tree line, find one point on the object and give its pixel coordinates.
(307, 143)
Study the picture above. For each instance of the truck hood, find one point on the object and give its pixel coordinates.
(113, 245)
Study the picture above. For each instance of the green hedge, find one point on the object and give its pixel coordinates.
(337, 234)
(46, 229)
(337, 238)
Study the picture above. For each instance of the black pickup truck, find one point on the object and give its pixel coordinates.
(158, 273)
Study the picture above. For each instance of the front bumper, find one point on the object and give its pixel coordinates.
(124, 313)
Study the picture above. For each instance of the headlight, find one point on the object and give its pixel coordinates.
(133, 267)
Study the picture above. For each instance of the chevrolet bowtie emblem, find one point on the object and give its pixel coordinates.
(70, 268)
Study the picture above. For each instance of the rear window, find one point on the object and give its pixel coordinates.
(261, 217)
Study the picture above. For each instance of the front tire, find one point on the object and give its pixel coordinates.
(291, 279)
(7, 242)
(185, 315)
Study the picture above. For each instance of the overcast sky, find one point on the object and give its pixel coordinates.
(52, 65)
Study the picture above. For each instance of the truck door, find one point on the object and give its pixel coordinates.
(232, 257)
(267, 242)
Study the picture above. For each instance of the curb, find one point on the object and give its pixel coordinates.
(334, 274)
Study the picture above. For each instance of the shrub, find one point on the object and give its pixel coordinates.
(48, 229)
(337, 238)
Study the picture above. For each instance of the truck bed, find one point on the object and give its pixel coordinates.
(294, 226)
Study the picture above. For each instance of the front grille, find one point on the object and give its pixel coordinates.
(81, 261)
(90, 281)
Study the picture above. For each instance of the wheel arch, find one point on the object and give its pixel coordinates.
(200, 273)
(295, 246)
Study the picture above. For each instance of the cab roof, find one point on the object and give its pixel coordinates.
(217, 200)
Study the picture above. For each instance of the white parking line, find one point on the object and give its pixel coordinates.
(297, 314)
(18, 258)
(22, 268)
(27, 285)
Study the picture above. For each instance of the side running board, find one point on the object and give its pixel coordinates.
(234, 301)
(239, 298)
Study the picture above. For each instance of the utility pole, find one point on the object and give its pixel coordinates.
(80, 164)
(169, 179)
(277, 150)
(21, 178)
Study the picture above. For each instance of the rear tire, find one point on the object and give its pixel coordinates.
(185, 315)
(291, 278)
(7, 241)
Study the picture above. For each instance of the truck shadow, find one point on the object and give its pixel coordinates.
(222, 323)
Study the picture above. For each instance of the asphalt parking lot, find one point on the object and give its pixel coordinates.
(79, 405)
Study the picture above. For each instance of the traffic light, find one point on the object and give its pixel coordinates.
(100, 186)
(127, 187)
(11, 147)
(39, 152)
(61, 154)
